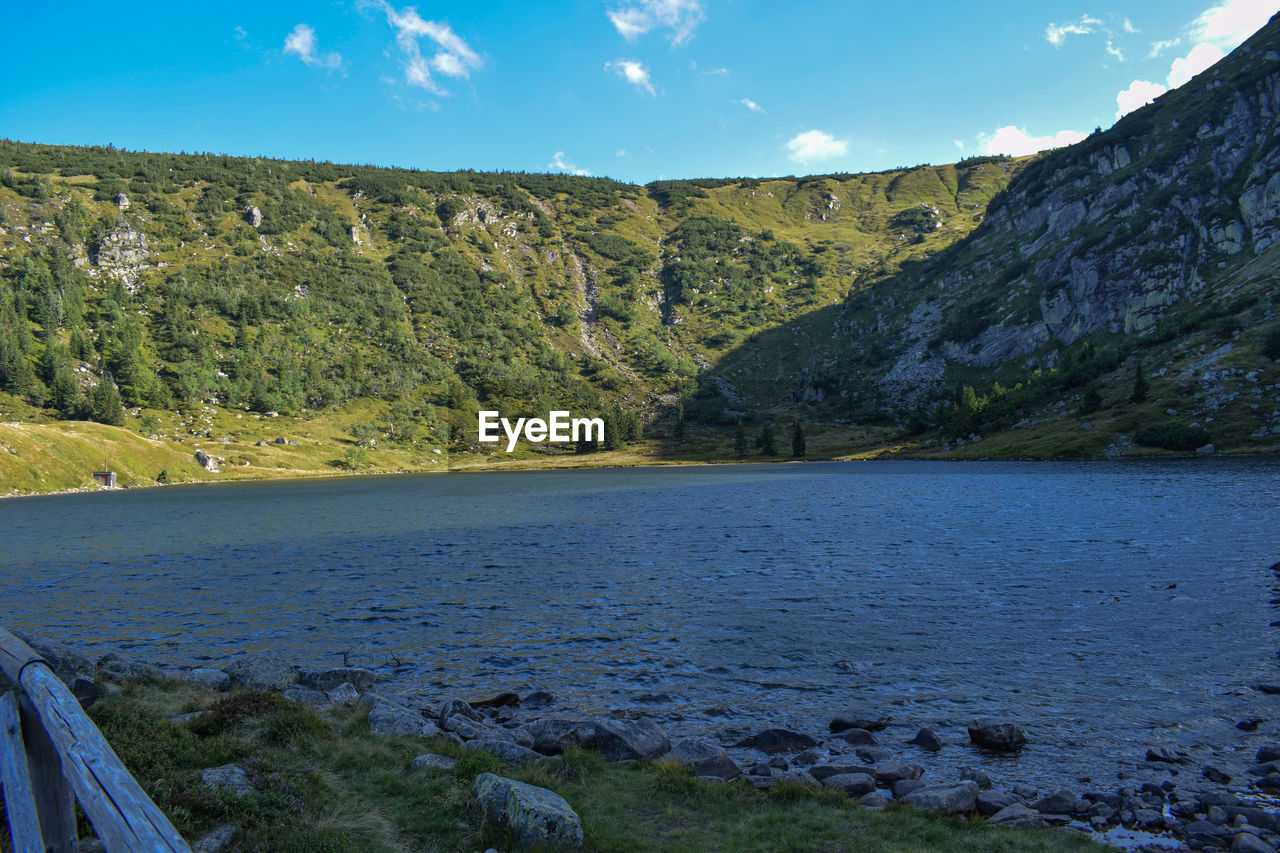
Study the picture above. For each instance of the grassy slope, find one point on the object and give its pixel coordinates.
(325, 783)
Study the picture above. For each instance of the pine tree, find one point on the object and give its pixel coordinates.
(107, 408)
(767, 446)
(797, 441)
(1090, 401)
(1140, 386)
(740, 442)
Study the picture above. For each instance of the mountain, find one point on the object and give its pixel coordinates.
(1155, 242)
(1112, 297)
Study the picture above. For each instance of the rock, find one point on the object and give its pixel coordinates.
(553, 736)
(124, 669)
(857, 737)
(1166, 754)
(502, 700)
(536, 816)
(214, 841)
(823, 771)
(1251, 724)
(996, 735)
(853, 784)
(253, 216)
(1269, 687)
(631, 740)
(537, 700)
(229, 778)
(872, 754)
(505, 751)
(1267, 753)
(214, 679)
(206, 461)
(894, 770)
(457, 707)
(798, 777)
(434, 763)
(860, 718)
(1205, 450)
(926, 739)
(1216, 776)
(1149, 819)
(389, 719)
(85, 691)
(990, 802)
(959, 798)
(280, 439)
(906, 786)
(329, 679)
(344, 694)
(467, 729)
(976, 774)
(122, 201)
(1061, 801)
(705, 759)
(873, 801)
(306, 696)
(260, 672)
(1018, 816)
(1246, 842)
(778, 740)
(186, 718)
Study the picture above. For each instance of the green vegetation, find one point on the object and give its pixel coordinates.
(324, 782)
(1172, 435)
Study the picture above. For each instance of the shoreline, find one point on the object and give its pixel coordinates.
(1202, 810)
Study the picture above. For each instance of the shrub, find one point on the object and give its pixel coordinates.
(1172, 435)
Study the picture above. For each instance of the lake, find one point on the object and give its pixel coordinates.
(1107, 606)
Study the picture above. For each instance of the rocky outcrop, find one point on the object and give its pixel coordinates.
(122, 253)
(536, 817)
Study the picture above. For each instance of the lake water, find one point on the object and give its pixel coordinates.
(1105, 606)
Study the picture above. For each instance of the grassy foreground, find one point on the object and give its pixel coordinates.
(325, 782)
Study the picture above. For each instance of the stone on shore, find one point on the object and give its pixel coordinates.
(706, 759)
(1018, 816)
(506, 699)
(778, 740)
(344, 694)
(389, 720)
(505, 751)
(305, 696)
(1268, 753)
(906, 786)
(536, 816)
(990, 802)
(261, 672)
(857, 737)
(552, 736)
(1247, 842)
(860, 718)
(853, 784)
(326, 680)
(631, 740)
(1167, 755)
(433, 763)
(208, 677)
(822, 771)
(997, 735)
(976, 774)
(958, 798)
(895, 770)
(926, 739)
(214, 841)
(1062, 801)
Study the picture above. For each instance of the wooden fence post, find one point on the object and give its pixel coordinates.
(15, 779)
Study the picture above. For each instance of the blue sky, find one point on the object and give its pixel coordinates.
(633, 89)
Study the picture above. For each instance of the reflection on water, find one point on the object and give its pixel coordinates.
(1106, 605)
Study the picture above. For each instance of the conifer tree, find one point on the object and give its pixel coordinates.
(740, 442)
(767, 446)
(107, 408)
(797, 441)
(1140, 386)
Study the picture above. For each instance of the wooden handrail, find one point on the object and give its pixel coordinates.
(15, 778)
(123, 816)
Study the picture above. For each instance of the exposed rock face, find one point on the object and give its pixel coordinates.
(122, 202)
(206, 461)
(536, 816)
(122, 253)
(253, 216)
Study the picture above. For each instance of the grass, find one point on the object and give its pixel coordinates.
(325, 782)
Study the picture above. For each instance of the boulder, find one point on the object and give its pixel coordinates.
(502, 700)
(905, 786)
(261, 672)
(959, 798)
(537, 700)
(706, 759)
(631, 740)
(873, 801)
(305, 696)
(778, 740)
(457, 707)
(1018, 816)
(1062, 801)
(389, 719)
(505, 751)
(822, 771)
(466, 728)
(253, 216)
(1167, 754)
(553, 736)
(990, 802)
(537, 817)
(853, 784)
(997, 735)
(214, 841)
(926, 739)
(976, 774)
(213, 679)
(1268, 753)
(1247, 842)
(329, 679)
(872, 754)
(228, 778)
(860, 718)
(894, 770)
(857, 737)
(344, 694)
(434, 763)
(206, 461)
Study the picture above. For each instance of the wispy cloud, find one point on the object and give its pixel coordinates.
(1016, 141)
(302, 44)
(815, 146)
(1056, 34)
(1159, 47)
(452, 56)
(1114, 51)
(634, 73)
(560, 164)
(750, 104)
(635, 18)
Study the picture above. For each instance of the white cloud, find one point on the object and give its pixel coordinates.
(638, 17)
(814, 146)
(1112, 50)
(561, 165)
(1159, 47)
(1140, 92)
(302, 43)
(453, 57)
(750, 104)
(957, 143)
(1184, 68)
(1056, 34)
(1232, 22)
(633, 72)
(622, 152)
(1016, 141)
(1129, 27)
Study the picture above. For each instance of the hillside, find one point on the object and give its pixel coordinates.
(1151, 248)
(1114, 297)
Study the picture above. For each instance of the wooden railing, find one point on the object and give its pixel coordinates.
(52, 756)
